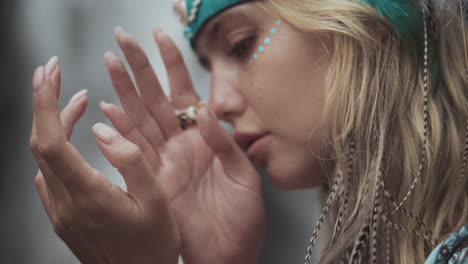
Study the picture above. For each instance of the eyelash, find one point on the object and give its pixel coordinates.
(243, 48)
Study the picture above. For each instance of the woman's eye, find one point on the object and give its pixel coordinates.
(242, 48)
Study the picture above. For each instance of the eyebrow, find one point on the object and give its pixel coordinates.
(222, 21)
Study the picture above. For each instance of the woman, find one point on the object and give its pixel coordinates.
(368, 97)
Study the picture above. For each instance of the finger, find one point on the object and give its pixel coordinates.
(182, 93)
(73, 111)
(148, 85)
(56, 188)
(235, 163)
(124, 126)
(53, 149)
(132, 103)
(129, 159)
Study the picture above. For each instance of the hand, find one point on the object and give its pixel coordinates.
(214, 191)
(98, 221)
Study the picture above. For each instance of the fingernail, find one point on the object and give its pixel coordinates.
(104, 133)
(118, 29)
(38, 78)
(51, 65)
(110, 56)
(158, 32)
(159, 36)
(78, 96)
(103, 104)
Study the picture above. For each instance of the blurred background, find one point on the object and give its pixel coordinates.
(79, 32)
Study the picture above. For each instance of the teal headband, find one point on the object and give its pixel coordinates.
(204, 11)
(404, 15)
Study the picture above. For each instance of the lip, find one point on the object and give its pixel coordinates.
(256, 150)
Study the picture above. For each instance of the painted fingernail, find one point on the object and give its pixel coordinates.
(51, 65)
(78, 96)
(110, 56)
(103, 105)
(38, 78)
(158, 33)
(104, 133)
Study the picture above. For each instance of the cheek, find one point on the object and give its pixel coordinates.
(288, 95)
(289, 84)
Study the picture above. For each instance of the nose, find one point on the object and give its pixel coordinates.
(226, 99)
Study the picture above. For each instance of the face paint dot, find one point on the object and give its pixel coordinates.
(267, 41)
(261, 49)
(278, 22)
(274, 31)
(255, 56)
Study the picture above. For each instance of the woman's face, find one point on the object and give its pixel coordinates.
(268, 77)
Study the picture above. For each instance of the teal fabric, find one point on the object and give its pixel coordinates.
(206, 10)
(454, 250)
(404, 15)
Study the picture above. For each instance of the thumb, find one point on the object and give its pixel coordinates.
(129, 159)
(222, 143)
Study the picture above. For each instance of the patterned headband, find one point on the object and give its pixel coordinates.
(404, 15)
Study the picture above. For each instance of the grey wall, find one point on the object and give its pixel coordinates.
(79, 32)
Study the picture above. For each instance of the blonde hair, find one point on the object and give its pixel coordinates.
(375, 103)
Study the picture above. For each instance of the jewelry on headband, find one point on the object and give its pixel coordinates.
(194, 11)
(187, 116)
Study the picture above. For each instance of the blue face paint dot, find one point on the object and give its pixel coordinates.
(278, 22)
(255, 56)
(274, 31)
(267, 41)
(261, 49)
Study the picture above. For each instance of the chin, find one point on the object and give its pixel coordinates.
(293, 167)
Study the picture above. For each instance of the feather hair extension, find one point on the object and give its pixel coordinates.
(347, 186)
(360, 243)
(426, 229)
(331, 198)
(376, 212)
(386, 228)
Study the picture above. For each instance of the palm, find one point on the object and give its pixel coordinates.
(209, 205)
